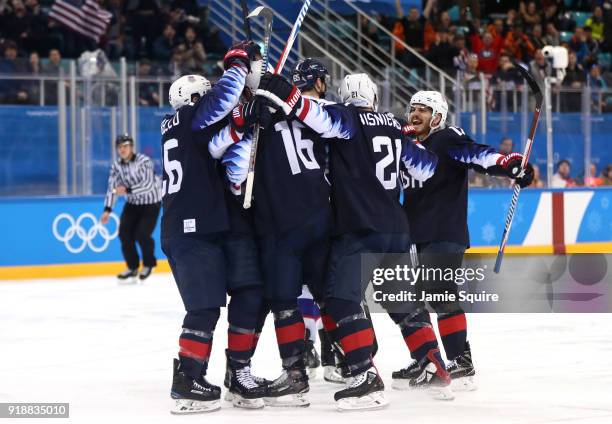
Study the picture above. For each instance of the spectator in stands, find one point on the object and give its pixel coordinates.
(411, 30)
(488, 56)
(529, 14)
(194, 55)
(540, 67)
(148, 92)
(596, 23)
(607, 30)
(505, 146)
(551, 13)
(142, 17)
(164, 45)
(442, 52)
(518, 44)
(592, 180)
(575, 78)
(579, 45)
(552, 35)
(537, 180)
(12, 91)
(601, 101)
(442, 23)
(561, 178)
(116, 40)
(592, 48)
(16, 25)
(536, 38)
(506, 76)
(460, 59)
(606, 175)
(471, 75)
(53, 68)
(498, 32)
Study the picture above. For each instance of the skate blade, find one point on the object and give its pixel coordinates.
(370, 402)
(189, 406)
(331, 376)
(298, 400)
(441, 392)
(464, 384)
(401, 384)
(128, 281)
(229, 396)
(312, 373)
(240, 402)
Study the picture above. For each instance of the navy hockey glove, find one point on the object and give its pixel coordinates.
(247, 114)
(280, 92)
(241, 54)
(526, 179)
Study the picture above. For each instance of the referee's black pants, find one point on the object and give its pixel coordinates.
(136, 226)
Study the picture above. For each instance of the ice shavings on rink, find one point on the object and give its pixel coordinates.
(107, 350)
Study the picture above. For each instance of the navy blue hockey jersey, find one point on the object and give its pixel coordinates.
(437, 208)
(193, 199)
(365, 165)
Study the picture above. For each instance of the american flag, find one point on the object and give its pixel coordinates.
(85, 17)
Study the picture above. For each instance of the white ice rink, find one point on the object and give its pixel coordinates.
(107, 350)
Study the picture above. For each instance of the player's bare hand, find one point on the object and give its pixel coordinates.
(104, 218)
(120, 190)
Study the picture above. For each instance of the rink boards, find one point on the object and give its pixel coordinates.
(62, 236)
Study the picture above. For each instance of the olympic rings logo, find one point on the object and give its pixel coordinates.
(86, 236)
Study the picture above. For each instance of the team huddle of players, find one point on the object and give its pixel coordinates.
(327, 187)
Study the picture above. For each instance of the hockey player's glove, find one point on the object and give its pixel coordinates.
(247, 114)
(280, 92)
(241, 54)
(512, 166)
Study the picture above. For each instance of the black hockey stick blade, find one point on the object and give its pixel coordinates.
(533, 85)
(245, 17)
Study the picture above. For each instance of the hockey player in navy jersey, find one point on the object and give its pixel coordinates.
(195, 226)
(437, 213)
(364, 169)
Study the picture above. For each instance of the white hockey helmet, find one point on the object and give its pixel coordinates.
(182, 89)
(434, 100)
(359, 90)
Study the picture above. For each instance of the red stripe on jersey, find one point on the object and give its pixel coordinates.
(305, 109)
(255, 340)
(452, 325)
(357, 340)
(194, 349)
(328, 323)
(290, 333)
(419, 338)
(240, 342)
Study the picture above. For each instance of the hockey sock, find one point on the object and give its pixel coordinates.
(242, 315)
(418, 333)
(195, 342)
(290, 331)
(354, 333)
(453, 332)
(264, 310)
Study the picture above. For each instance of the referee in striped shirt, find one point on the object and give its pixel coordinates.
(132, 175)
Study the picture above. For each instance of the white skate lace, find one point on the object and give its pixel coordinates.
(357, 380)
(410, 364)
(245, 378)
(451, 364)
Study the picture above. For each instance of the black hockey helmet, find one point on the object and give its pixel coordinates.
(123, 139)
(306, 73)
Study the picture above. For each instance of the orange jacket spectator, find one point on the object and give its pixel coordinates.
(518, 45)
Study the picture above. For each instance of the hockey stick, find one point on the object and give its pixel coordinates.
(535, 88)
(248, 193)
(245, 17)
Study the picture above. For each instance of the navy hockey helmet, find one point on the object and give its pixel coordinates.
(306, 73)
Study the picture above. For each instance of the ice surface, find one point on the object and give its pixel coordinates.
(107, 350)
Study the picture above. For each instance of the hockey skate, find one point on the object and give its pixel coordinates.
(434, 378)
(229, 396)
(401, 379)
(129, 276)
(311, 357)
(364, 391)
(331, 373)
(244, 390)
(145, 272)
(289, 389)
(462, 372)
(193, 396)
